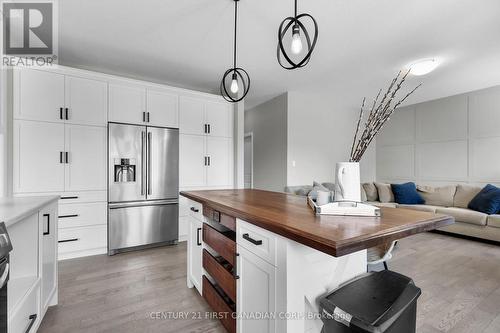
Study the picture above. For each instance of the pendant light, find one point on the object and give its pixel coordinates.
(299, 33)
(239, 85)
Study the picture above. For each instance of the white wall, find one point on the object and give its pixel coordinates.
(267, 122)
(449, 140)
(320, 134)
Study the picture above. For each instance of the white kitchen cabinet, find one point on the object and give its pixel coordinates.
(256, 292)
(86, 166)
(163, 108)
(48, 228)
(38, 95)
(87, 101)
(192, 115)
(195, 252)
(219, 116)
(38, 166)
(219, 170)
(192, 160)
(127, 103)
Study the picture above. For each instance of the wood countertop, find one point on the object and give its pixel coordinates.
(289, 215)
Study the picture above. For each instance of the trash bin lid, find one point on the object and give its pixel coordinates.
(370, 298)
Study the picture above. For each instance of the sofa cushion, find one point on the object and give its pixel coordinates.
(423, 208)
(383, 204)
(464, 215)
(438, 196)
(384, 192)
(464, 194)
(487, 201)
(406, 194)
(371, 191)
(494, 221)
(363, 194)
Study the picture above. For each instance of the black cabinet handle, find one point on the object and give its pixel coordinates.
(66, 110)
(66, 154)
(66, 198)
(61, 157)
(48, 224)
(69, 240)
(205, 161)
(61, 113)
(205, 131)
(147, 114)
(208, 160)
(198, 237)
(235, 270)
(195, 210)
(32, 319)
(68, 216)
(208, 128)
(251, 240)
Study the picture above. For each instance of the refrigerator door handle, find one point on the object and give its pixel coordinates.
(150, 142)
(143, 139)
(120, 205)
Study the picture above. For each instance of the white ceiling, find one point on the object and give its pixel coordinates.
(361, 45)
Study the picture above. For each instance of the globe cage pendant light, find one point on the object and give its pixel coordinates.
(239, 77)
(296, 48)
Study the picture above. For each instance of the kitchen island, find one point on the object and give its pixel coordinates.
(264, 258)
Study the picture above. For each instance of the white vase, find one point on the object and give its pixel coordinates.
(347, 182)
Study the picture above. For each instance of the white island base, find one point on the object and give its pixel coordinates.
(289, 285)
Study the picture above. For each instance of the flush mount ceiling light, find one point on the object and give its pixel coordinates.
(299, 33)
(236, 78)
(423, 67)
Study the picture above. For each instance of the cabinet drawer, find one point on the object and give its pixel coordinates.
(257, 240)
(27, 313)
(221, 271)
(220, 304)
(220, 243)
(216, 216)
(82, 239)
(81, 197)
(80, 215)
(195, 210)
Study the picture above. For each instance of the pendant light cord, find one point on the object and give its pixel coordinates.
(235, 24)
(295, 8)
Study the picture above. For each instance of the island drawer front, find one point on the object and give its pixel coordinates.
(83, 214)
(257, 240)
(219, 273)
(216, 216)
(195, 210)
(221, 244)
(27, 313)
(219, 305)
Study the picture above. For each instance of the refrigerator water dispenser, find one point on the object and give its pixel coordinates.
(124, 170)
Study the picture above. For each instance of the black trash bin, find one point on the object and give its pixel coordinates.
(378, 302)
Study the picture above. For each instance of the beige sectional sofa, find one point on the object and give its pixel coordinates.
(450, 200)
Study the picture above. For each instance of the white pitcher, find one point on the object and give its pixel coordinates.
(347, 182)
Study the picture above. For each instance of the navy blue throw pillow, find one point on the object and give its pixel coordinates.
(407, 194)
(487, 201)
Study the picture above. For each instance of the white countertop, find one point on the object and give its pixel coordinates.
(13, 210)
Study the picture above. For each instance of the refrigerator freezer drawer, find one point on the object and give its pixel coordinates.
(142, 225)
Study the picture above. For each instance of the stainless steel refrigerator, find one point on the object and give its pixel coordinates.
(143, 187)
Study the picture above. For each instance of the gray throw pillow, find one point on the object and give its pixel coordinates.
(384, 192)
(371, 191)
(437, 196)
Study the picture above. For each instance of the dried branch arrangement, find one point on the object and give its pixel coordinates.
(378, 115)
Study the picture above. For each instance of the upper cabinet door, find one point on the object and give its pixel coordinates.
(86, 165)
(219, 117)
(87, 101)
(127, 103)
(163, 108)
(38, 163)
(192, 115)
(38, 95)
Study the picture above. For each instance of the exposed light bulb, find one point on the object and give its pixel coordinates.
(296, 42)
(423, 67)
(234, 84)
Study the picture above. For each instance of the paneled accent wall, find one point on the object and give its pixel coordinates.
(450, 140)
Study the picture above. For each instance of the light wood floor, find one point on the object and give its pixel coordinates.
(460, 280)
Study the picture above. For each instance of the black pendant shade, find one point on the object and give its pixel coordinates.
(296, 23)
(236, 78)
